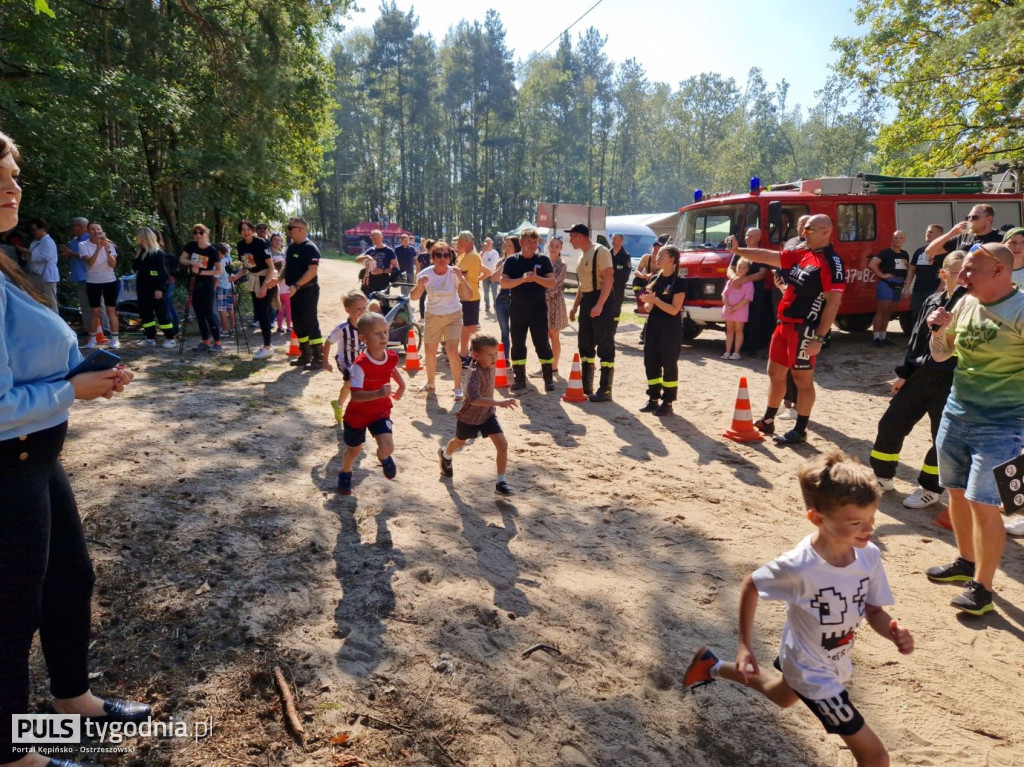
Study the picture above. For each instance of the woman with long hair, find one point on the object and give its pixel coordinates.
(258, 265)
(503, 300)
(663, 296)
(151, 284)
(558, 318)
(203, 260)
(45, 570)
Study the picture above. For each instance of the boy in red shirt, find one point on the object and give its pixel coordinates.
(370, 405)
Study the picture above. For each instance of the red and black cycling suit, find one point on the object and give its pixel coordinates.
(809, 275)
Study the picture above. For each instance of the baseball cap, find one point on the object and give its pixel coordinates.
(1010, 234)
(579, 229)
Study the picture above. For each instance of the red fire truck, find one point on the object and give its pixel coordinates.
(865, 211)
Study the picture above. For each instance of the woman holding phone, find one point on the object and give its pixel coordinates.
(203, 260)
(45, 569)
(101, 283)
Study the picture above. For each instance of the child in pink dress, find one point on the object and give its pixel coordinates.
(735, 310)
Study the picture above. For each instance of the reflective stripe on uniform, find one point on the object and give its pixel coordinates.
(670, 384)
(519, 362)
(925, 468)
(149, 324)
(653, 381)
(590, 360)
(315, 341)
(545, 362)
(303, 340)
(888, 457)
(168, 326)
(607, 364)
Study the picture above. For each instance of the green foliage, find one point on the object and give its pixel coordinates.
(954, 71)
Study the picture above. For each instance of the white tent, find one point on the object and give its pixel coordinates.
(661, 223)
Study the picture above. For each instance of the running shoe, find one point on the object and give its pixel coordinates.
(735, 356)
(726, 356)
(345, 482)
(216, 349)
(502, 488)
(115, 343)
(1015, 525)
(170, 343)
(446, 464)
(148, 342)
(959, 570)
(698, 673)
(885, 484)
(337, 411)
(388, 465)
(791, 437)
(787, 414)
(201, 348)
(263, 353)
(458, 395)
(921, 499)
(976, 600)
(90, 344)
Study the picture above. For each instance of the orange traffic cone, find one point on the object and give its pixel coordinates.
(501, 374)
(942, 519)
(742, 422)
(412, 354)
(574, 392)
(293, 350)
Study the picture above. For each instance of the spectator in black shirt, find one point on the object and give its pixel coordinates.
(923, 275)
(406, 255)
(528, 275)
(258, 266)
(380, 262)
(966, 234)
(890, 267)
(203, 261)
(302, 260)
(761, 322)
(622, 263)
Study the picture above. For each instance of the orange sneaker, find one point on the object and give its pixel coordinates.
(698, 673)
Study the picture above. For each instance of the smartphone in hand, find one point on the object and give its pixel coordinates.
(99, 360)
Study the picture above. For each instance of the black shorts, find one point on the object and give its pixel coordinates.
(471, 431)
(354, 437)
(837, 714)
(471, 312)
(106, 290)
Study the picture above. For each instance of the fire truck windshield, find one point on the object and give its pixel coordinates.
(706, 228)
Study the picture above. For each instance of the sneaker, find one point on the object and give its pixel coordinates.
(921, 498)
(170, 343)
(976, 600)
(698, 673)
(201, 348)
(148, 342)
(650, 407)
(791, 437)
(337, 411)
(115, 343)
(726, 356)
(388, 465)
(279, 330)
(216, 349)
(1015, 525)
(467, 362)
(446, 464)
(765, 425)
(885, 484)
(502, 488)
(536, 374)
(457, 394)
(959, 570)
(90, 344)
(345, 482)
(254, 324)
(100, 338)
(787, 414)
(263, 353)
(664, 409)
(735, 356)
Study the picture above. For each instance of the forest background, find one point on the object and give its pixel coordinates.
(169, 112)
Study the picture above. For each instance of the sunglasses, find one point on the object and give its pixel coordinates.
(810, 229)
(438, 254)
(198, 231)
(295, 226)
(973, 217)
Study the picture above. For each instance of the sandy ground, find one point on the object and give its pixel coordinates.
(400, 615)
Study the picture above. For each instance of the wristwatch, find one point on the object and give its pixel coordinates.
(819, 339)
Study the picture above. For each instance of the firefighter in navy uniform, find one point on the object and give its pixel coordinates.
(302, 259)
(151, 284)
(597, 309)
(622, 265)
(922, 388)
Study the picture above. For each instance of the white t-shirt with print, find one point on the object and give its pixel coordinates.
(100, 272)
(824, 606)
(442, 291)
(490, 258)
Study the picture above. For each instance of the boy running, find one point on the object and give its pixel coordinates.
(477, 416)
(371, 394)
(832, 579)
(346, 337)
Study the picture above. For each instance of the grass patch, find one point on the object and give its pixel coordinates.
(336, 255)
(193, 374)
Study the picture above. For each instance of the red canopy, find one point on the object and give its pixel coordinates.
(365, 227)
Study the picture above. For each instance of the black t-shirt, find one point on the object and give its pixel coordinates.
(895, 263)
(254, 255)
(755, 268)
(666, 289)
(622, 263)
(207, 259)
(298, 258)
(968, 240)
(926, 273)
(516, 266)
(406, 259)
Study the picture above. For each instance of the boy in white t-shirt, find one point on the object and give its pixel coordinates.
(345, 340)
(830, 581)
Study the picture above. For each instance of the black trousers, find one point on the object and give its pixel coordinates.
(924, 393)
(597, 333)
(662, 343)
(155, 316)
(304, 317)
(204, 304)
(758, 332)
(263, 309)
(46, 576)
(532, 317)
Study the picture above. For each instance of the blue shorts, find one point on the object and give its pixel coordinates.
(888, 291)
(354, 437)
(968, 452)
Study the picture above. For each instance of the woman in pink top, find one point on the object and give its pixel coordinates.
(735, 309)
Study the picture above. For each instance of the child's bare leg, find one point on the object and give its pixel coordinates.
(343, 395)
(737, 337)
(501, 445)
(729, 331)
(453, 444)
(867, 748)
(385, 446)
(348, 458)
(775, 689)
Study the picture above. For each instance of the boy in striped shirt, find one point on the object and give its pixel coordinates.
(345, 337)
